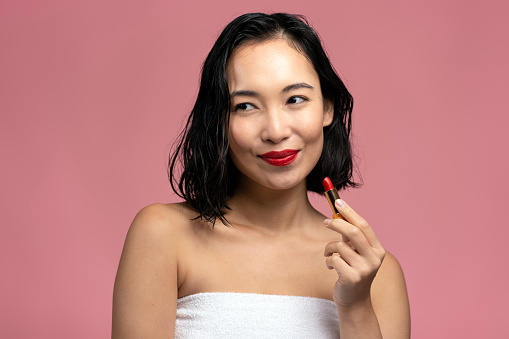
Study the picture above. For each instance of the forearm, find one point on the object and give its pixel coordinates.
(358, 321)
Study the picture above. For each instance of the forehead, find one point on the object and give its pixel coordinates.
(272, 61)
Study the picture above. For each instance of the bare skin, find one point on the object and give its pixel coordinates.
(277, 243)
(168, 256)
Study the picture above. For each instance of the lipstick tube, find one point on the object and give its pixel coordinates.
(332, 195)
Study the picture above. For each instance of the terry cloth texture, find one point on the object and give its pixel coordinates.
(248, 315)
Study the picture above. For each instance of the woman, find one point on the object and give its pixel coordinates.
(271, 120)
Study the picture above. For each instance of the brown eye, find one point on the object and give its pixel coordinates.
(296, 100)
(243, 107)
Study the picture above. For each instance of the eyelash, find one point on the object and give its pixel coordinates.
(298, 97)
(238, 106)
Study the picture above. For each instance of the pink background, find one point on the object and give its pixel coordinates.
(93, 92)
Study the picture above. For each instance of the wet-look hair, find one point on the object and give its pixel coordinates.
(200, 169)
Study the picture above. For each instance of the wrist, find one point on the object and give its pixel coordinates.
(358, 320)
(359, 310)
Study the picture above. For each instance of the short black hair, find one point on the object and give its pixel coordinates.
(207, 174)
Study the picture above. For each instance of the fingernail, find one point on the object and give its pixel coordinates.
(326, 222)
(340, 203)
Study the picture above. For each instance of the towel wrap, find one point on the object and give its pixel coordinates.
(249, 315)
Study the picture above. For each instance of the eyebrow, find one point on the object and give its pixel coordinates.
(296, 86)
(284, 90)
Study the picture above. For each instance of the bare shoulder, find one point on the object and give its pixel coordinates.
(389, 277)
(146, 284)
(161, 218)
(161, 222)
(390, 269)
(390, 298)
(159, 230)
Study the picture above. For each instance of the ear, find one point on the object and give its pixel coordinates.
(328, 112)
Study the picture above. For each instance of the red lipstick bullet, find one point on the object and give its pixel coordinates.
(332, 195)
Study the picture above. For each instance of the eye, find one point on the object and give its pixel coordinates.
(243, 107)
(296, 100)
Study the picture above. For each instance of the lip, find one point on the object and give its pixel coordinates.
(280, 158)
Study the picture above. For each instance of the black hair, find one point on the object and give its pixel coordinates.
(207, 174)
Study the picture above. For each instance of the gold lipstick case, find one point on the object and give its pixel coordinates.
(332, 195)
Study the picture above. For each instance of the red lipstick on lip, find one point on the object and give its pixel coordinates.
(280, 158)
(332, 195)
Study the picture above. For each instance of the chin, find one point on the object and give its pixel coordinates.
(279, 178)
(284, 182)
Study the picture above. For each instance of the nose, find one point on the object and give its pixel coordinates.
(276, 126)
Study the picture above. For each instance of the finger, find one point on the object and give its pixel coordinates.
(338, 264)
(355, 219)
(331, 247)
(351, 257)
(341, 236)
(347, 241)
(353, 233)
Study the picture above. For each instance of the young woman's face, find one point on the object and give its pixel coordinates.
(277, 114)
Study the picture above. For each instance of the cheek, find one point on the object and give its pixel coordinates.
(312, 129)
(314, 139)
(239, 135)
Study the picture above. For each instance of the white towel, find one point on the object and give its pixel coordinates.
(249, 315)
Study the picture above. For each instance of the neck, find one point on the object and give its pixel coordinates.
(274, 210)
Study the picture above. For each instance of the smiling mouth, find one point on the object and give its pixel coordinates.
(280, 158)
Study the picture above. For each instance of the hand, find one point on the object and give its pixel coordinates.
(356, 261)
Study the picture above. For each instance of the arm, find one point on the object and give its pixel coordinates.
(390, 299)
(145, 292)
(368, 307)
